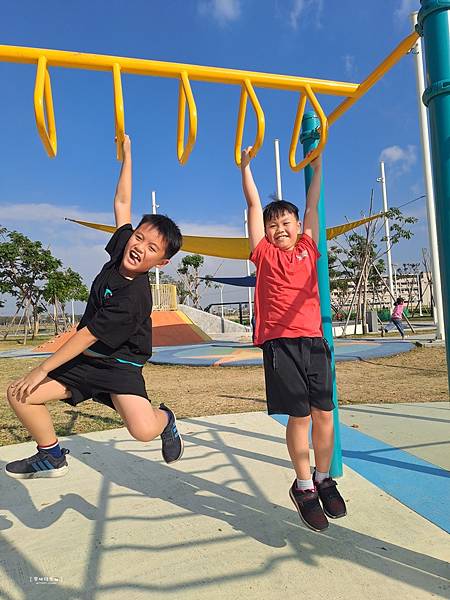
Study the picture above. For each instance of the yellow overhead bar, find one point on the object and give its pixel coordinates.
(307, 88)
(403, 48)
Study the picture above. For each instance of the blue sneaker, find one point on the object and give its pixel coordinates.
(41, 464)
(172, 443)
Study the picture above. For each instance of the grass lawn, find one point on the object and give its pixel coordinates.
(416, 376)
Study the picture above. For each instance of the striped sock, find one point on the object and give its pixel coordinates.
(53, 449)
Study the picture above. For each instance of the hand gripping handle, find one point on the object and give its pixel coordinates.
(307, 94)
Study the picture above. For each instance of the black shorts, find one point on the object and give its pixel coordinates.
(98, 378)
(298, 376)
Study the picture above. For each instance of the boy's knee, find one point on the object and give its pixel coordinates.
(324, 416)
(141, 434)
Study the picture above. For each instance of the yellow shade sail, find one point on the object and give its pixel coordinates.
(228, 247)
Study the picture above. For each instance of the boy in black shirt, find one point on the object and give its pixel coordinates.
(104, 359)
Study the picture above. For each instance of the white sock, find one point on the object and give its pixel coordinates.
(319, 477)
(304, 484)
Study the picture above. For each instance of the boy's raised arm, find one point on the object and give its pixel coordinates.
(311, 217)
(255, 212)
(122, 198)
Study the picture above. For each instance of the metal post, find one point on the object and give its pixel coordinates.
(278, 169)
(434, 26)
(154, 207)
(382, 180)
(394, 269)
(250, 301)
(309, 138)
(431, 211)
(158, 294)
(419, 292)
(221, 300)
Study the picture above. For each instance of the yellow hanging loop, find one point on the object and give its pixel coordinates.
(248, 91)
(43, 93)
(307, 94)
(119, 112)
(185, 93)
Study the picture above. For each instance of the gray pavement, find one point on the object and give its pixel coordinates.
(218, 524)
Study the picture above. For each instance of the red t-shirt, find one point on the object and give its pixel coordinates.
(287, 292)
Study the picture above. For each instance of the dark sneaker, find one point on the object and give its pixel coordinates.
(172, 443)
(332, 502)
(41, 464)
(308, 507)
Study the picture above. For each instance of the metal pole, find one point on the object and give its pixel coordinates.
(278, 169)
(250, 301)
(434, 26)
(419, 292)
(309, 138)
(431, 211)
(394, 269)
(73, 314)
(221, 300)
(154, 207)
(382, 180)
(158, 292)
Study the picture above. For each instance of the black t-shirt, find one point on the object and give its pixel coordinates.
(118, 309)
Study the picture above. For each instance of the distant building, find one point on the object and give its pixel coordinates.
(415, 289)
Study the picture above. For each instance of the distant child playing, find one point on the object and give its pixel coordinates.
(297, 360)
(104, 359)
(396, 317)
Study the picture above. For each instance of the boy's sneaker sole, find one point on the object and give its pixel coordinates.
(292, 496)
(39, 474)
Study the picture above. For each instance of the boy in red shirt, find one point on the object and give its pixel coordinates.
(297, 359)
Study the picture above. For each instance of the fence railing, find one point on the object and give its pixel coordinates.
(164, 296)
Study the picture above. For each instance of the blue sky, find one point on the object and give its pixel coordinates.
(341, 40)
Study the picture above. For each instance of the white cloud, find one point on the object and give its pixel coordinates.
(349, 65)
(302, 9)
(400, 158)
(222, 11)
(405, 8)
(46, 212)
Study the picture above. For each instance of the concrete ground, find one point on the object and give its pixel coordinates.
(219, 523)
(422, 428)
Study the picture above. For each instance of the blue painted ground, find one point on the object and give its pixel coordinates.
(236, 354)
(416, 483)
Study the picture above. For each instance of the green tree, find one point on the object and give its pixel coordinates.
(360, 259)
(24, 267)
(190, 283)
(63, 286)
(31, 274)
(163, 278)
